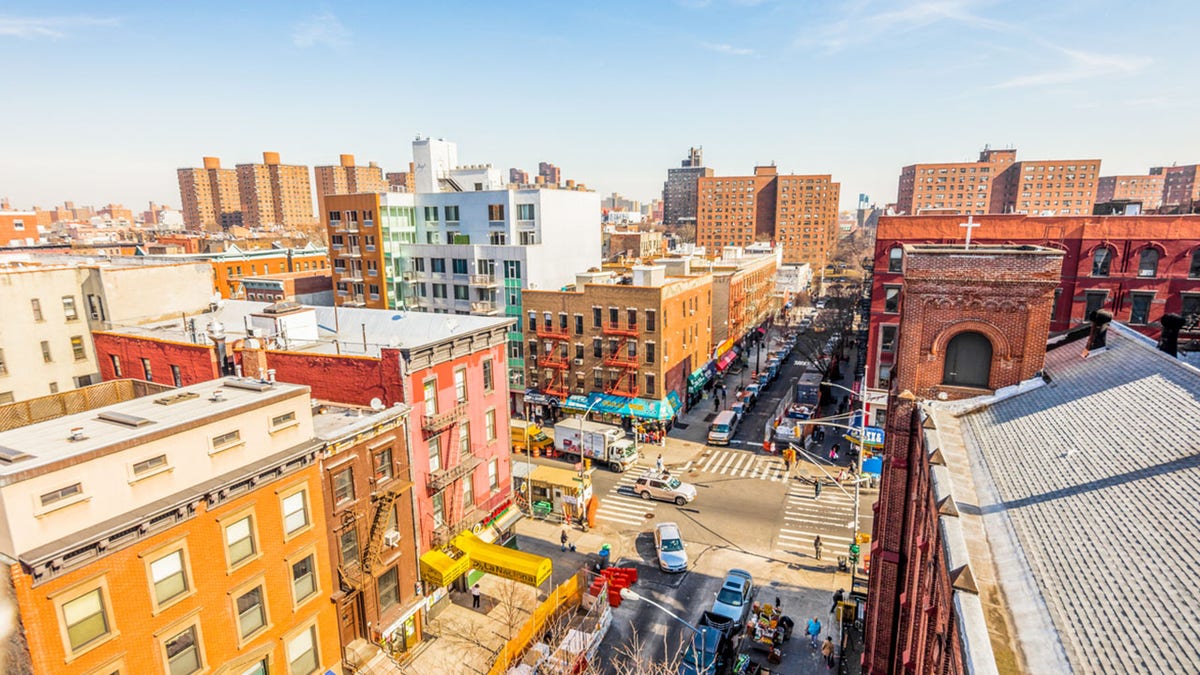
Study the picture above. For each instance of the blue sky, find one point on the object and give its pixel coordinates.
(106, 100)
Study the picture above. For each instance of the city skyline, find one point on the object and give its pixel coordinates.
(609, 93)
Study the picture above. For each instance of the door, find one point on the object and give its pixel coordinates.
(350, 618)
(968, 361)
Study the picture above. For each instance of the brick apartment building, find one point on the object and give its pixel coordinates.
(308, 287)
(1138, 267)
(980, 564)
(346, 178)
(1145, 189)
(1181, 186)
(210, 198)
(798, 212)
(178, 532)
(232, 264)
(275, 195)
(998, 183)
(632, 337)
(634, 244)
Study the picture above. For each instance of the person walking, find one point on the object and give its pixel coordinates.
(814, 631)
(816, 546)
(562, 539)
(787, 460)
(475, 592)
(658, 463)
(838, 596)
(827, 651)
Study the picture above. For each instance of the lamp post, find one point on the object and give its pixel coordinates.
(862, 444)
(627, 594)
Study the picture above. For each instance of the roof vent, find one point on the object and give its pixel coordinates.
(9, 455)
(123, 419)
(250, 385)
(76, 434)
(177, 398)
(217, 395)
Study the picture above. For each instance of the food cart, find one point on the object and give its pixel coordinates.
(768, 629)
(551, 493)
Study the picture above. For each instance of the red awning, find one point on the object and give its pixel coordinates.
(727, 359)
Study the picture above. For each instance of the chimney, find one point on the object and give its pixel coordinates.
(1171, 325)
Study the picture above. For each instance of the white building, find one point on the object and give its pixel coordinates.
(792, 279)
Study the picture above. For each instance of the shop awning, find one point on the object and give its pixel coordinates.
(700, 377)
(576, 402)
(536, 397)
(439, 569)
(724, 361)
(508, 563)
(723, 347)
(673, 399)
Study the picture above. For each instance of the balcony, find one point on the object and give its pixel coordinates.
(442, 534)
(352, 252)
(410, 275)
(484, 307)
(439, 421)
(620, 388)
(622, 360)
(553, 361)
(497, 223)
(440, 480)
(556, 389)
(483, 280)
(624, 329)
(552, 333)
(352, 277)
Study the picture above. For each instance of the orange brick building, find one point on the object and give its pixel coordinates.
(799, 212)
(1145, 189)
(18, 228)
(177, 533)
(210, 197)
(275, 195)
(346, 178)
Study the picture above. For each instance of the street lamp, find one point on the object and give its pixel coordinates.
(627, 594)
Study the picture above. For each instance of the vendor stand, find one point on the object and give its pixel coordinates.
(551, 493)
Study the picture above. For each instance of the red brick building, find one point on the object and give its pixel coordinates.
(1145, 189)
(1139, 267)
(1181, 186)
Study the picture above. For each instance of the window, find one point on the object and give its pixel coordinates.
(524, 211)
(148, 465)
(1194, 268)
(579, 350)
(169, 578)
(1191, 308)
(649, 352)
(430, 393)
(439, 290)
(46, 356)
(439, 509)
(295, 512)
(1101, 261)
(418, 264)
(489, 384)
(37, 309)
(597, 379)
(281, 420)
(389, 589)
(431, 213)
(464, 438)
(459, 265)
(1093, 300)
(348, 543)
(62, 494)
(116, 364)
(382, 461)
(302, 652)
(595, 317)
(489, 424)
(650, 319)
(512, 269)
(343, 486)
(468, 489)
(494, 475)
(887, 338)
(304, 579)
(435, 454)
(183, 652)
(1139, 312)
(896, 259)
(438, 265)
(86, 619)
(69, 309)
(252, 616)
(1148, 263)
(460, 385)
(891, 299)
(226, 440)
(451, 213)
(149, 374)
(239, 540)
(968, 360)
(495, 212)
(176, 376)
(579, 324)
(650, 384)
(462, 292)
(77, 348)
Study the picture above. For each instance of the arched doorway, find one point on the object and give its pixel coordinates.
(968, 360)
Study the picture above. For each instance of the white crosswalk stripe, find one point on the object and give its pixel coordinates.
(621, 504)
(741, 464)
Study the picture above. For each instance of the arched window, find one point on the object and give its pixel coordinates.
(1148, 263)
(1194, 269)
(1101, 261)
(896, 259)
(968, 360)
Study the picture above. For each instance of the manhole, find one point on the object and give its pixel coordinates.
(649, 515)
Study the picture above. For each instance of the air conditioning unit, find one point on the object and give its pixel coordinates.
(579, 362)
(391, 539)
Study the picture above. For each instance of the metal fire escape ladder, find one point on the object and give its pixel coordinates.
(381, 503)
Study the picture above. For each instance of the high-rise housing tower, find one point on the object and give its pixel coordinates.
(679, 192)
(210, 197)
(551, 174)
(274, 194)
(346, 178)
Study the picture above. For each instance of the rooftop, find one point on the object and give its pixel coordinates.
(341, 330)
(335, 420)
(1077, 493)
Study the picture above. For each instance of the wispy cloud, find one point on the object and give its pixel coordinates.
(55, 27)
(1079, 65)
(866, 21)
(321, 29)
(722, 48)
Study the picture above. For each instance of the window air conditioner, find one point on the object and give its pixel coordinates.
(391, 538)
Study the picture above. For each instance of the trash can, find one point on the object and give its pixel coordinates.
(605, 552)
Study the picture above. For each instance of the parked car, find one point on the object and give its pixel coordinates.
(722, 429)
(735, 598)
(739, 410)
(653, 485)
(672, 552)
(754, 391)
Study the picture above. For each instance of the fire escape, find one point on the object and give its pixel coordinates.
(381, 505)
(624, 336)
(553, 346)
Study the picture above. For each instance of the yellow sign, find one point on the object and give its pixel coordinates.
(508, 563)
(439, 569)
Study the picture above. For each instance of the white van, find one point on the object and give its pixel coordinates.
(720, 432)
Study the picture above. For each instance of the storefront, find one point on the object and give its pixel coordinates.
(625, 411)
(539, 406)
(503, 562)
(698, 381)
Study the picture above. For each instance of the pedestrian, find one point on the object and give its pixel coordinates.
(827, 651)
(562, 539)
(787, 460)
(717, 402)
(838, 596)
(814, 631)
(658, 463)
(816, 545)
(773, 448)
(475, 591)
(816, 488)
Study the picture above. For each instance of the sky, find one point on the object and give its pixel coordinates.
(103, 101)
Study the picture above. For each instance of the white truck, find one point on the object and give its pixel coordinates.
(599, 442)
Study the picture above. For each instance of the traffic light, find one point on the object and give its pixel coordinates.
(854, 554)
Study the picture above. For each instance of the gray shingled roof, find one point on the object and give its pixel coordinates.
(1099, 473)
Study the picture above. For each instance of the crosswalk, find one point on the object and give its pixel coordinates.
(622, 505)
(739, 464)
(830, 516)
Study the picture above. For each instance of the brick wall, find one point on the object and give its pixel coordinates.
(197, 363)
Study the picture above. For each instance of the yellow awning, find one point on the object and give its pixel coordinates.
(439, 569)
(526, 568)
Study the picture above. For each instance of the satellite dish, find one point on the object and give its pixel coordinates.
(376, 404)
